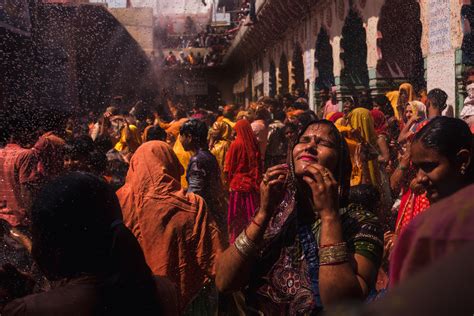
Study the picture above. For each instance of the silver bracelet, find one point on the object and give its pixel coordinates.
(245, 246)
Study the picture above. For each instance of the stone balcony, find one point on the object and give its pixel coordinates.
(274, 18)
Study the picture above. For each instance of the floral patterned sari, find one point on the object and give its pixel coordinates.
(286, 274)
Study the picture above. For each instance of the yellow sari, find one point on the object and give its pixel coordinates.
(356, 174)
(184, 157)
(393, 97)
(361, 119)
(129, 140)
(221, 133)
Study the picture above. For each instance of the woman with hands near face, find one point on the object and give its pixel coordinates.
(307, 247)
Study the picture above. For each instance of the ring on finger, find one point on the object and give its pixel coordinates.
(265, 179)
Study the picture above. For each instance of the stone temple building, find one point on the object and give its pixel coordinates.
(352, 46)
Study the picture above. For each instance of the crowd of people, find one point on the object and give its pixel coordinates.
(214, 40)
(267, 209)
(212, 58)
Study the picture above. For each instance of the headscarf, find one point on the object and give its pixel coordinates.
(221, 133)
(221, 130)
(253, 106)
(173, 127)
(228, 121)
(243, 160)
(334, 116)
(433, 234)
(380, 123)
(179, 238)
(242, 114)
(419, 109)
(361, 119)
(294, 113)
(394, 95)
(409, 90)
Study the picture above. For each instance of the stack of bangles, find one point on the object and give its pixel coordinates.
(245, 246)
(333, 254)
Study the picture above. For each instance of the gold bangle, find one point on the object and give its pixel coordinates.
(245, 246)
(335, 254)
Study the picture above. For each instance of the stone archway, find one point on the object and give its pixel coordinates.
(298, 68)
(354, 74)
(399, 45)
(323, 61)
(272, 80)
(283, 75)
(467, 17)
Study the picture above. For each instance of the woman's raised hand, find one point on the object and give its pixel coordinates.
(324, 189)
(272, 189)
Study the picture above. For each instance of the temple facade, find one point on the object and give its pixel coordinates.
(352, 47)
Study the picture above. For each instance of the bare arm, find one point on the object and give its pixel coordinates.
(405, 133)
(233, 268)
(398, 176)
(384, 156)
(348, 280)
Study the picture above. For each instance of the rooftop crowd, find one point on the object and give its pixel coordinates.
(267, 209)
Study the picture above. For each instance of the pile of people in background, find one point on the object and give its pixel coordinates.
(267, 208)
(213, 57)
(190, 48)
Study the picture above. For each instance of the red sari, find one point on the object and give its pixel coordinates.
(243, 169)
(411, 206)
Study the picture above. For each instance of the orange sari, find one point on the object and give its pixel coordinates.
(178, 236)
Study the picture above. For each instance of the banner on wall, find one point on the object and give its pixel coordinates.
(15, 16)
(439, 26)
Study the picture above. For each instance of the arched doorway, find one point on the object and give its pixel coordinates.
(354, 74)
(400, 31)
(283, 76)
(272, 80)
(467, 17)
(323, 61)
(298, 68)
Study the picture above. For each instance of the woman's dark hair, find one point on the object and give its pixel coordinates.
(197, 129)
(448, 136)
(344, 166)
(263, 114)
(155, 133)
(353, 100)
(77, 230)
(366, 195)
(279, 115)
(385, 106)
(306, 117)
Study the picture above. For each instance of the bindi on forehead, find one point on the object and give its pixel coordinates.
(319, 130)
